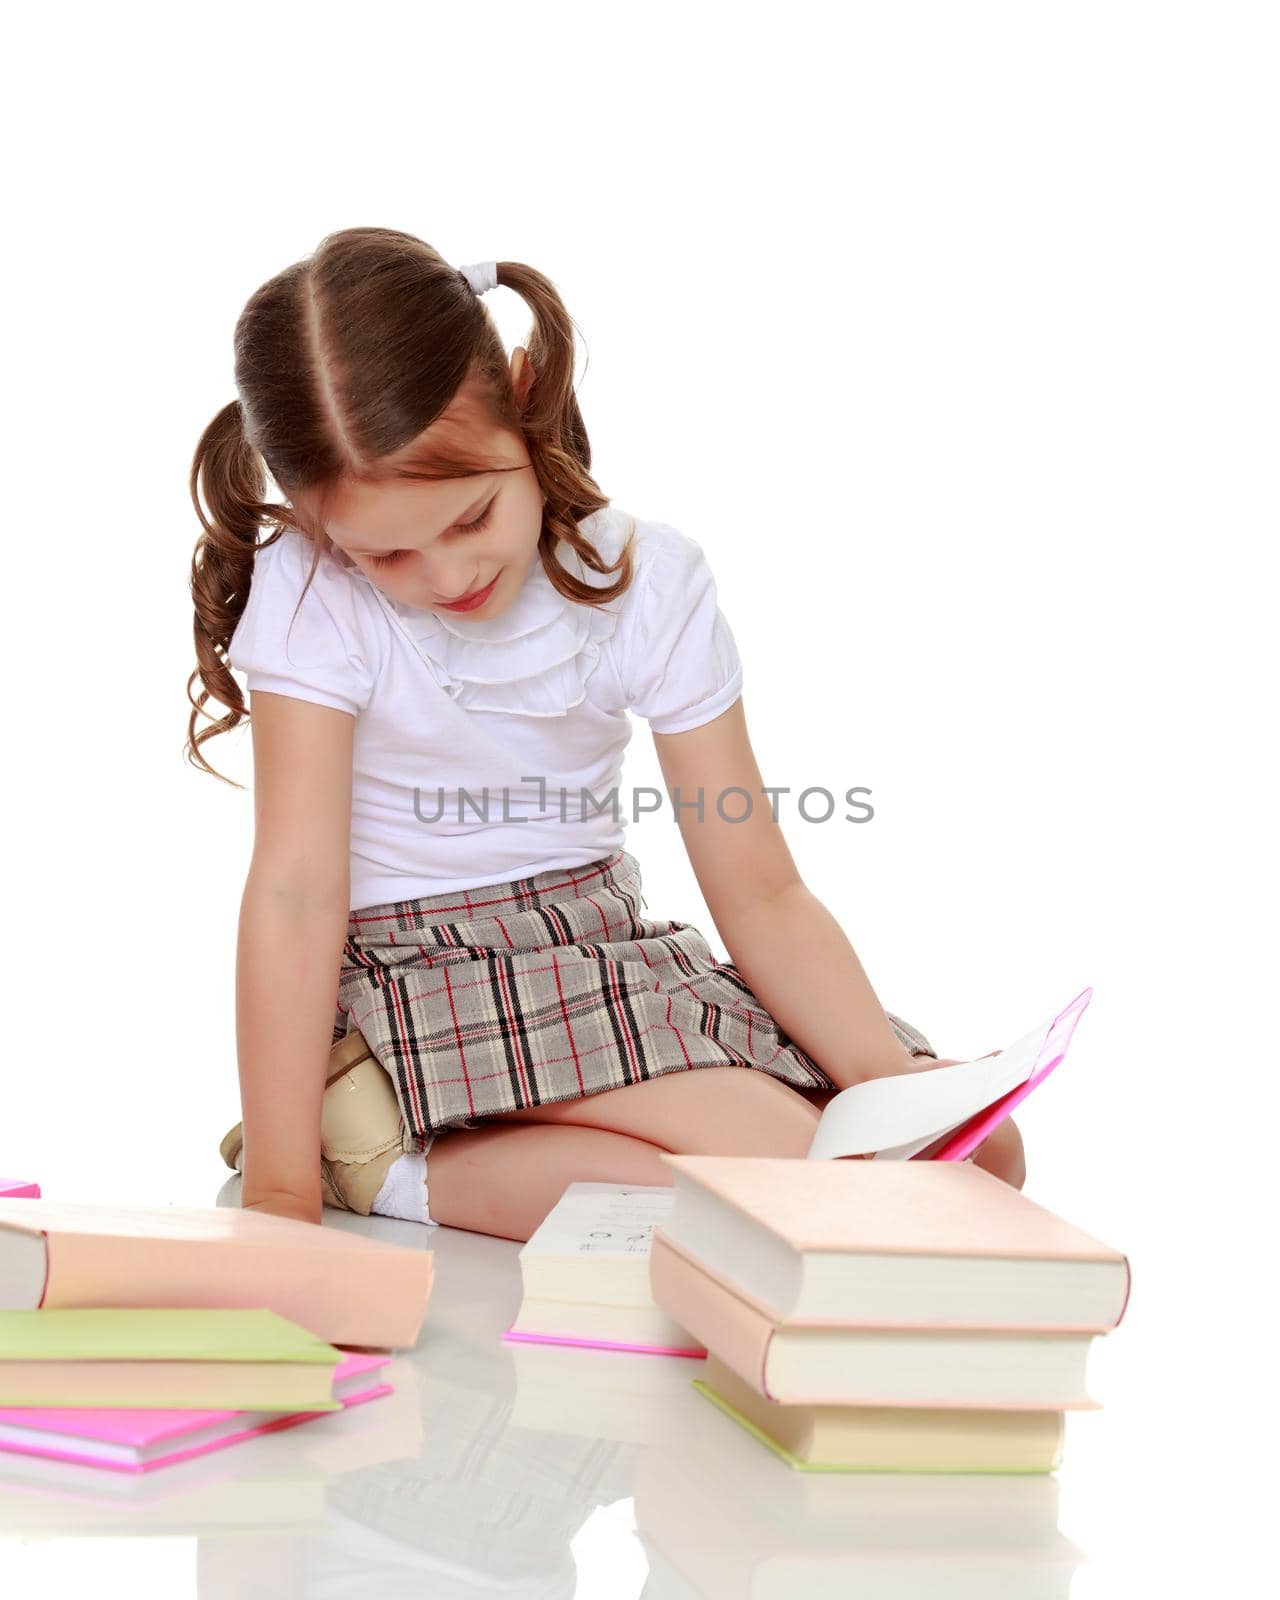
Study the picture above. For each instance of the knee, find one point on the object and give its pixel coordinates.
(1001, 1154)
(751, 1114)
(504, 1180)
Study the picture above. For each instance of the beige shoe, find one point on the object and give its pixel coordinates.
(361, 1128)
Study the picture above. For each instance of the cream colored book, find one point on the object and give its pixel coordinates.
(585, 1273)
(888, 1438)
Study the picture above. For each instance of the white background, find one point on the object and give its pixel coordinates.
(951, 332)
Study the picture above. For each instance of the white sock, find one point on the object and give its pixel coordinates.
(404, 1190)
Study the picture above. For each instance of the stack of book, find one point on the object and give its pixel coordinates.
(135, 1338)
(917, 1316)
(135, 1390)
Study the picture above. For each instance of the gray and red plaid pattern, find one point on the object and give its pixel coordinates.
(548, 988)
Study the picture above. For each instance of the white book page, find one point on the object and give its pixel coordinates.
(894, 1118)
(602, 1219)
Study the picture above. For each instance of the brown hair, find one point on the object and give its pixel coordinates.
(341, 361)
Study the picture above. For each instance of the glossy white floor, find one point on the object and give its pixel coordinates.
(497, 1468)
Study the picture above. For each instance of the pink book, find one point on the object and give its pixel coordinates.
(942, 1113)
(696, 1351)
(825, 1363)
(16, 1188)
(345, 1288)
(961, 1144)
(128, 1440)
(889, 1244)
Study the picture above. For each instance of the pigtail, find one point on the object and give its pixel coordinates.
(556, 438)
(231, 475)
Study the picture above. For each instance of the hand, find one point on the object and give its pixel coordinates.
(287, 1205)
(1001, 1152)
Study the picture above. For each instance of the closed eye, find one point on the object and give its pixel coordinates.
(393, 556)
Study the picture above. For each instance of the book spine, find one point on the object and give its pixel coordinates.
(726, 1325)
(1128, 1293)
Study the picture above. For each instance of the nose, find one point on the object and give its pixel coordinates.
(449, 581)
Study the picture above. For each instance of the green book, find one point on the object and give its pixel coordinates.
(888, 1438)
(161, 1359)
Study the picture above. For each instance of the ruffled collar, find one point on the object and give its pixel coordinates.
(535, 658)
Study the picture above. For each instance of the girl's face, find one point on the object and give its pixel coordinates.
(431, 544)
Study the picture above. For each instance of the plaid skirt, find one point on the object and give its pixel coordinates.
(548, 988)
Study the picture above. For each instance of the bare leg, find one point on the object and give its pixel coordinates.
(726, 1111)
(736, 1111)
(504, 1179)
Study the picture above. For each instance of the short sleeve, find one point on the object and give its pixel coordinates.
(317, 654)
(682, 666)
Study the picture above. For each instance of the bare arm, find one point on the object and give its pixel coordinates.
(783, 940)
(293, 921)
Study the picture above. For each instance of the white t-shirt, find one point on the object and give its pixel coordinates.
(531, 705)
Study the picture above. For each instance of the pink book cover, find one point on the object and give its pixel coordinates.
(17, 1188)
(141, 1429)
(961, 1143)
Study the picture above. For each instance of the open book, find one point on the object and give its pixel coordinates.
(944, 1113)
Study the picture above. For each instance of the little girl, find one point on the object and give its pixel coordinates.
(442, 946)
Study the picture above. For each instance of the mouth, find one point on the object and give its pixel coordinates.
(469, 602)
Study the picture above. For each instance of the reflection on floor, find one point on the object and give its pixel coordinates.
(538, 1470)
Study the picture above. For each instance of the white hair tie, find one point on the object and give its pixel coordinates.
(481, 275)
